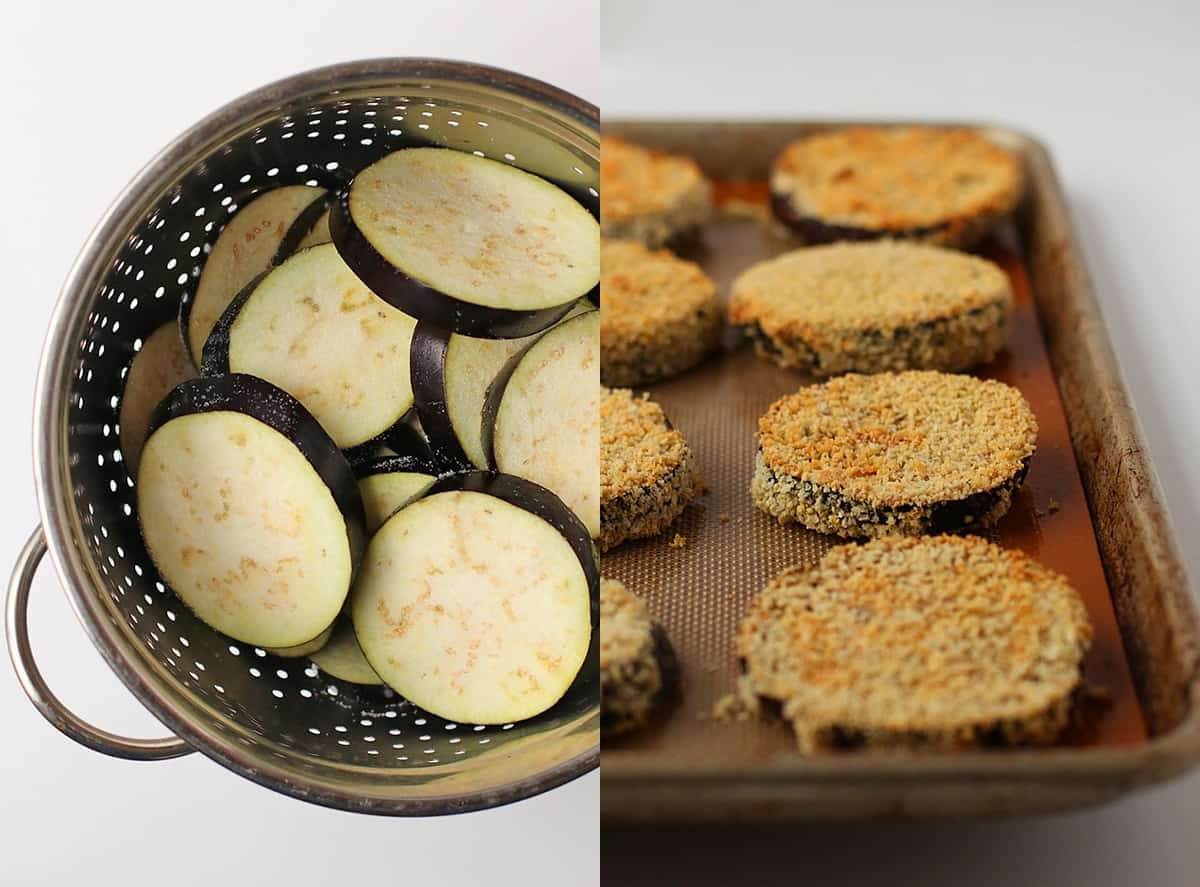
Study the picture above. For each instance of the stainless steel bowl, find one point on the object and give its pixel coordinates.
(275, 721)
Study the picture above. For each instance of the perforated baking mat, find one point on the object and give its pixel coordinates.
(700, 586)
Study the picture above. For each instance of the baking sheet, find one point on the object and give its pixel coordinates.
(699, 589)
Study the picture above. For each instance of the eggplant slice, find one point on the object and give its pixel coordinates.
(343, 658)
(306, 649)
(160, 365)
(249, 511)
(319, 232)
(249, 244)
(451, 374)
(476, 602)
(541, 420)
(468, 244)
(312, 328)
(388, 483)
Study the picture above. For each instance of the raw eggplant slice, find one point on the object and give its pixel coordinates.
(451, 374)
(541, 420)
(248, 510)
(469, 244)
(343, 658)
(389, 483)
(248, 246)
(159, 365)
(476, 602)
(305, 230)
(312, 328)
(318, 233)
(305, 649)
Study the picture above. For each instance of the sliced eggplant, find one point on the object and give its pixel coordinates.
(343, 658)
(248, 246)
(306, 649)
(476, 602)
(468, 244)
(249, 511)
(541, 419)
(312, 328)
(160, 365)
(388, 483)
(451, 374)
(318, 233)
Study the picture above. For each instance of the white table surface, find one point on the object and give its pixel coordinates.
(93, 90)
(1112, 89)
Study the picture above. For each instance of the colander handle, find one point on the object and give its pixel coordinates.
(16, 627)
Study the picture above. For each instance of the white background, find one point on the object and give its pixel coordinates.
(1112, 87)
(92, 90)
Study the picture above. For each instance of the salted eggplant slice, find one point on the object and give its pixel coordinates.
(159, 365)
(312, 328)
(388, 483)
(468, 244)
(476, 602)
(249, 511)
(541, 418)
(319, 232)
(305, 649)
(247, 246)
(451, 374)
(343, 658)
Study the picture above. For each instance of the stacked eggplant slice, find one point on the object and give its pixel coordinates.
(294, 499)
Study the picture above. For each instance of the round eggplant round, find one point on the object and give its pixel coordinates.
(541, 418)
(451, 374)
(249, 511)
(305, 649)
(466, 243)
(159, 365)
(388, 483)
(249, 244)
(476, 602)
(342, 658)
(312, 328)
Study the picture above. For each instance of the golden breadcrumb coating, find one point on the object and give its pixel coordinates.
(660, 316)
(911, 438)
(937, 183)
(942, 641)
(649, 196)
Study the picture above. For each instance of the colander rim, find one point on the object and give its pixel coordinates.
(52, 484)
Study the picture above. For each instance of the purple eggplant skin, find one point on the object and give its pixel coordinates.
(541, 502)
(814, 231)
(406, 440)
(278, 410)
(407, 463)
(427, 364)
(300, 227)
(214, 358)
(419, 300)
(296, 232)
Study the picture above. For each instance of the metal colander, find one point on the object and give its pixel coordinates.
(276, 721)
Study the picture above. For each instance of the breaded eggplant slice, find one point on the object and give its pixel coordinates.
(894, 453)
(647, 474)
(638, 670)
(649, 196)
(158, 366)
(660, 317)
(947, 187)
(943, 642)
(874, 307)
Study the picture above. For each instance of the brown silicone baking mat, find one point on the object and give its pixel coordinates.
(725, 550)
(1090, 508)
